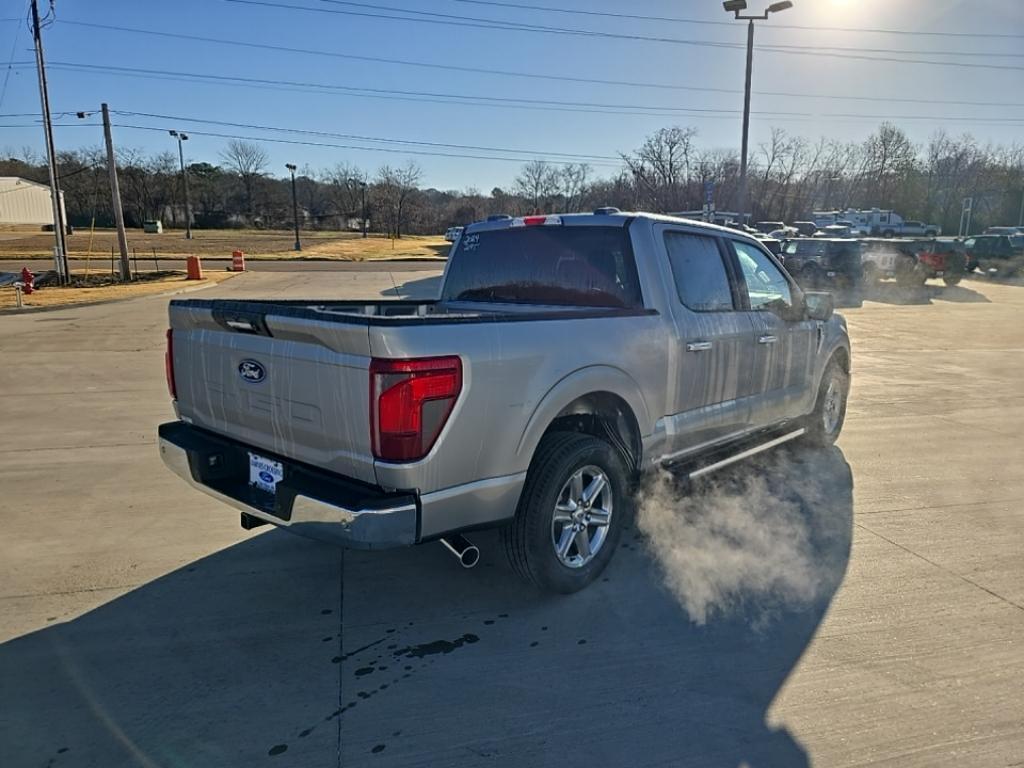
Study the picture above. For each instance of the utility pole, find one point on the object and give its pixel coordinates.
(60, 253)
(1020, 218)
(115, 196)
(184, 178)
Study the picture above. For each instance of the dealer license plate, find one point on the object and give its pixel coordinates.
(264, 473)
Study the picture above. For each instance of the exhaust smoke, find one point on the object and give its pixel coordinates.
(763, 536)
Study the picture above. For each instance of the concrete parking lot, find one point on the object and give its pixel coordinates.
(139, 625)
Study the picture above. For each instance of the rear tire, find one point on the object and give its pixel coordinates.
(826, 421)
(556, 540)
(952, 279)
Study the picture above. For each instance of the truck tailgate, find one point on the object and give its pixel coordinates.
(293, 386)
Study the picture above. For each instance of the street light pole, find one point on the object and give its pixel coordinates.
(362, 186)
(735, 7)
(746, 122)
(184, 180)
(295, 205)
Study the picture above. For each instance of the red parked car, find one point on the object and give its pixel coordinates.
(939, 258)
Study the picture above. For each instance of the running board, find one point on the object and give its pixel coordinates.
(707, 469)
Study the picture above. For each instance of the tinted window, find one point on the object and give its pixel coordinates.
(557, 265)
(767, 287)
(699, 272)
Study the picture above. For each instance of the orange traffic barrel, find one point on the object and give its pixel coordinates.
(194, 267)
(237, 261)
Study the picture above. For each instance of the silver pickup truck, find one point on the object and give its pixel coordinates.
(565, 357)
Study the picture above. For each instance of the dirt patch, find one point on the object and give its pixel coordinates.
(219, 244)
(94, 286)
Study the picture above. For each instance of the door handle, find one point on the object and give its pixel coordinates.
(698, 346)
(767, 339)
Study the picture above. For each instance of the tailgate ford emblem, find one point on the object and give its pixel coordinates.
(251, 371)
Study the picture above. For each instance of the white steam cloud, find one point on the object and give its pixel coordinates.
(764, 535)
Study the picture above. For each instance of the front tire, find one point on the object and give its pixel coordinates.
(952, 279)
(574, 506)
(826, 421)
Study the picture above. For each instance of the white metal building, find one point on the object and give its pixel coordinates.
(24, 202)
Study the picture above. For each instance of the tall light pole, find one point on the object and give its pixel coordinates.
(184, 180)
(736, 7)
(362, 187)
(295, 205)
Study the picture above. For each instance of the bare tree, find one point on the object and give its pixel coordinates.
(394, 190)
(662, 165)
(573, 183)
(538, 182)
(345, 189)
(249, 161)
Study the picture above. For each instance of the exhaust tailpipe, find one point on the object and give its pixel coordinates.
(465, 552)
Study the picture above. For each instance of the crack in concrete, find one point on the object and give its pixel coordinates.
(942, 567)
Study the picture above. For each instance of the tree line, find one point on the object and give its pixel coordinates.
(789, 176)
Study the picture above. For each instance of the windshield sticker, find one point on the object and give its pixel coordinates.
(470, 242)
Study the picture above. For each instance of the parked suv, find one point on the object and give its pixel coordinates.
(566, 357)
(819, 262)
(940, 258)
(1000, 255)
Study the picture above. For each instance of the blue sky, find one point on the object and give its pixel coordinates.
(594, 134)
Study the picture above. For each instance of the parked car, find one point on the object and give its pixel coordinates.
(452, 234)
(1004, 231)
(566, 356)
(918, 229)
(836, 231)
(999, 255)
(786, 233)
(886, 258)
(773, 244)
(820, 262)
(805, 228)
(944, 259)
(768, 226)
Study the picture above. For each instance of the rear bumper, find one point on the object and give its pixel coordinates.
(308, 502)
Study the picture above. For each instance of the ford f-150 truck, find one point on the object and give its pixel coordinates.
(565, 357)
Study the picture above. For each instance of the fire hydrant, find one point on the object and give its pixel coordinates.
(28, 281)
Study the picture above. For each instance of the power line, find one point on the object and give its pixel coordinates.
(429, 96)
(356, 137)
(678, 20)
(429, 17)
(509, 102)
(306, 143)
(510, 73)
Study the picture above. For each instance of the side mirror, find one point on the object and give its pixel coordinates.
(820, 305)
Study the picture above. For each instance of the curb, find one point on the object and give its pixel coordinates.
(78, 304)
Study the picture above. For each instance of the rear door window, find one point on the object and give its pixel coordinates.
(699, 272)
(546, 264)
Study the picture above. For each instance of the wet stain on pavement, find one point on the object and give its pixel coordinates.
(363, 671)
(436, 647)
(378, 749)
(277, 749)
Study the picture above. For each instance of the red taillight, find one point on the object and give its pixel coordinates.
(169, 365)
(410, 401)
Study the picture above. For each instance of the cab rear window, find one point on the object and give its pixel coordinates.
(548, 265)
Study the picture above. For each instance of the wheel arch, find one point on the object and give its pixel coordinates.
(601, 401)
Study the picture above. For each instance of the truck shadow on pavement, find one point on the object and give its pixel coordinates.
(447, 667)
(279, 651)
